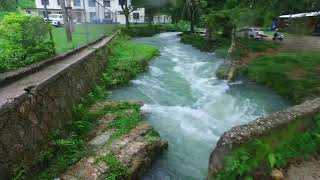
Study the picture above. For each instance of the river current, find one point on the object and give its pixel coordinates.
(190, 107)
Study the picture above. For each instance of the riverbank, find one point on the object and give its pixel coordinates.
(182, 100)
(293, 76)
(69, 144)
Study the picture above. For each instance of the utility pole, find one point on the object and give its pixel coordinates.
(66, 20)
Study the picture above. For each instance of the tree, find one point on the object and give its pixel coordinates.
(7, 5)
(66, 20)
(127, 8)
(194, 10)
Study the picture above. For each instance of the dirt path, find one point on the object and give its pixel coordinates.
(306, 170)
(300, 43)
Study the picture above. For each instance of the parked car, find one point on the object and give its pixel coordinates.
(251, 33)
(55, 19)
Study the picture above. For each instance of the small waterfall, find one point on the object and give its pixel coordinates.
(190, 107)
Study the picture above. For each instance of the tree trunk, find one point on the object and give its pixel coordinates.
(192, 23)
(233, 41)
(66, 20)
(150, 18)
(70, 17)
(127, 20)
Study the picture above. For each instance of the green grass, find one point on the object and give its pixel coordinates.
(245, 46)
(67, 146)
(257, 45)
(126, 61)
(295, 76)
(200, 42)
(125, 120)
(116, 170)
(80, 36)
(26, 4)
(260, 156)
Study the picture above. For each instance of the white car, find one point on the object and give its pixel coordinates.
(55, 19)
(251, 33)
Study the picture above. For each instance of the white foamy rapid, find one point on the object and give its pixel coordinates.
(190, 107)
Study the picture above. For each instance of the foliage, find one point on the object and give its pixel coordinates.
(181, 26)
(197, 41)
(202, 43)
(273, 151)
(25, 4)
(128, 117)
(219, 22)
(24, 40)
(292, 75)
(141, 31)
(116, 170)
(126, 61)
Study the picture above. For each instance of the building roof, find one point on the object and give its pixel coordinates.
(300, 15)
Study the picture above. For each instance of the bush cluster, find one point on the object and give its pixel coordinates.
(23, 41)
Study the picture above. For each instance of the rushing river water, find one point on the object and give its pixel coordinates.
(190, 107)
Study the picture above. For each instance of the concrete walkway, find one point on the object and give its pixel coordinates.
(10, 92)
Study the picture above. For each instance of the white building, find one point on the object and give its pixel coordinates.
(162, 19)
(97, 11)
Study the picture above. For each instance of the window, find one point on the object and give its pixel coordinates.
(106, 3)
(92, 3)
(92, 15)
(45, 1)
(76, 2)
(122, 2)
(136, 16)
(107, 15)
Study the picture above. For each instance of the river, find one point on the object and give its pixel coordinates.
(190, 107)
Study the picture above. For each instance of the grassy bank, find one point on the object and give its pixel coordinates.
(295, 76)
(259, 157)
(221, 45)
(68, 145)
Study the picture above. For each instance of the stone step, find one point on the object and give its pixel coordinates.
(135, 151)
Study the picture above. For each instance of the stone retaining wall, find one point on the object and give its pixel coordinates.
(27, 120)
(262, 127)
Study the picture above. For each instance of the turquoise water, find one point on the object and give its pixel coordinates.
(190, 107)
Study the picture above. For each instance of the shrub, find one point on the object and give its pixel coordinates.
(180, 26)
(141, 31)
(23, 41)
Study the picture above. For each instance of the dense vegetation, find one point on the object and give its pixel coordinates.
(23, 41)
(66, 146)
(150, 30)
(292, 75)
(260, 156)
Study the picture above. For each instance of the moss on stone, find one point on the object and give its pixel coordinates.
(272, 150)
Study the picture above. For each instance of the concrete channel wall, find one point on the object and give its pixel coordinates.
(262, 127)
(27, 118)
